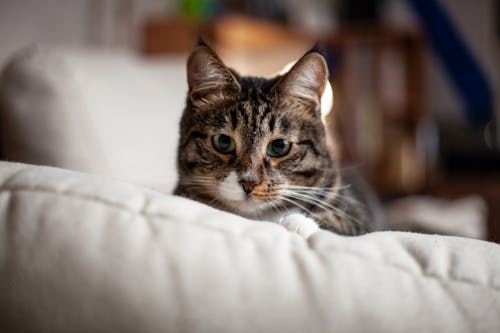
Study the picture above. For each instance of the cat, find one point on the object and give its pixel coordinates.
(257, 147)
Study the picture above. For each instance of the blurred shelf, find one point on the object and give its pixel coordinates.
(251, 46)
(380, 108)
(170, 35)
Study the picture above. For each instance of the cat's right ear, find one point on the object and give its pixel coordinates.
(209, 80)
(305, 82)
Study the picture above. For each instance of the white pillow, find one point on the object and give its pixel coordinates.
(106, 113)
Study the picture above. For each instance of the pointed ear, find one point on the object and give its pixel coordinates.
(305, 82)
(209, 80)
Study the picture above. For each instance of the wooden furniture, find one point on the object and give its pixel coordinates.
(169, 35)
(251, 46)
(380, 106)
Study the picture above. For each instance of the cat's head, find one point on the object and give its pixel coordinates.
(245, 140)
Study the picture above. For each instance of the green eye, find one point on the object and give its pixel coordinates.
(278, 148)
(223, 144)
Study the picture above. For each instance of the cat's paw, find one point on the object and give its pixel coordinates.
(299, 224)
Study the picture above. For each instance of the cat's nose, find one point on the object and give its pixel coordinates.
(248, 186)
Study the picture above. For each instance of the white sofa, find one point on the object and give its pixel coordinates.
(89, 253)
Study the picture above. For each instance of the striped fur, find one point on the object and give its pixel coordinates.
(255, 111)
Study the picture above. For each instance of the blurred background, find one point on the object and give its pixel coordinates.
(416, 83)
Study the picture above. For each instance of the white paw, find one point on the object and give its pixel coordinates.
(299, 224)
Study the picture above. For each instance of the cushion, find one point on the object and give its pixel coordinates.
(108, 113)
(81, 253)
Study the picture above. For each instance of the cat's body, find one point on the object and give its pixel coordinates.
(257, 147)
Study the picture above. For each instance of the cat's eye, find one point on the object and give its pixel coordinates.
(278, 148)
(223, 144)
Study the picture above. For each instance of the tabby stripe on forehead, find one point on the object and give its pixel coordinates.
(243, 113)
(255, 118)
(272, 122)
(221, 120)
(311, 145)
(266, 111)
(194, 135)
(234, 119)
(285, 124)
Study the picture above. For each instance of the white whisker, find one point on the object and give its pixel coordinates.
(312, 188)
(293, 202)
(314, 201)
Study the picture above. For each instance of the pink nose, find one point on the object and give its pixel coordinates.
(248, 186)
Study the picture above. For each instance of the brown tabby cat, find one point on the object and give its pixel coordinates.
(256, 147)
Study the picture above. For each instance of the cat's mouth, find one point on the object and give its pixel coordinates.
(237, 199)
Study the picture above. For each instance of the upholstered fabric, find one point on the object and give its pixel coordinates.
(106, 113)
(82, 253)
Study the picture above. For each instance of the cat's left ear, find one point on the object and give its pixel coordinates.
(209, 80)
(305, 82)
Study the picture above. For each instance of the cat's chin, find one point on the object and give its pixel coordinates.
(249, 207)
